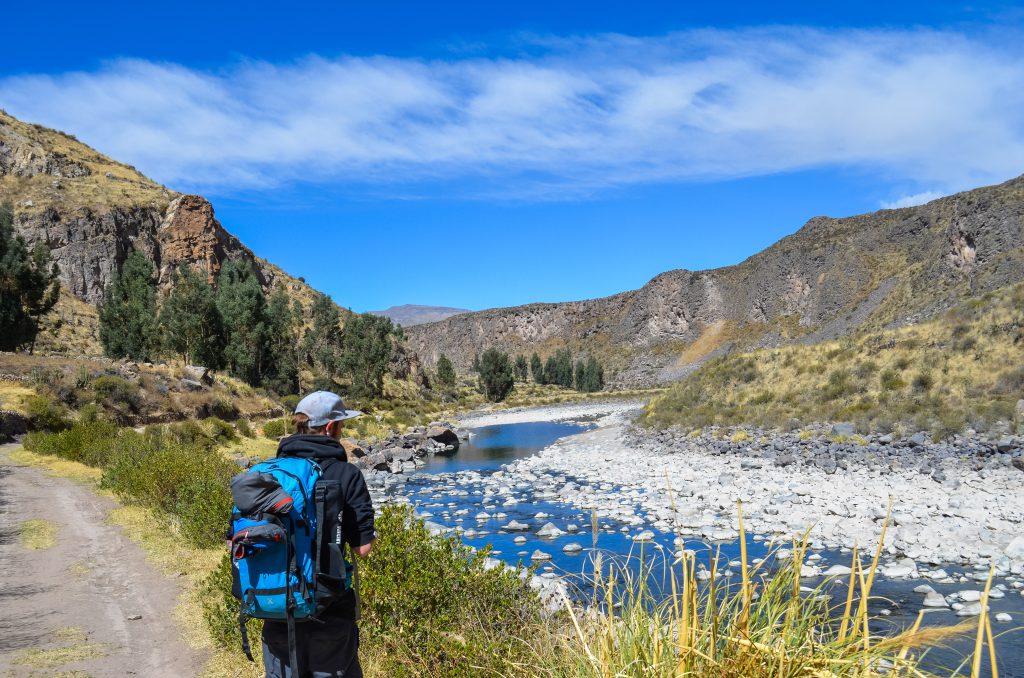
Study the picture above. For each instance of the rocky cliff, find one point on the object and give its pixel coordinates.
(830, 278)
(90, 211)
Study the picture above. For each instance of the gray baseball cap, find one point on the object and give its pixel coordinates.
(322, 407)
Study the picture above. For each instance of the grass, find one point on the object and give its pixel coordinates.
(765, 625)
(38, 534)
(74, 647)
(959, 370)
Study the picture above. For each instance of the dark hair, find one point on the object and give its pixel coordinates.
(300, 422)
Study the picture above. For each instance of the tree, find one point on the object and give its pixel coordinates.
(189, 320)
(282, 370)
(593, 376)
(558, 369)
(243, 308)
(321, 344)
(128, 326)
(29, 287)
(580, 375)
(496, 377)
(537, 368)
(520, 368)
(445, 372)
(367, 345)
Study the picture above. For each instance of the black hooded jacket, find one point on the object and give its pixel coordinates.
(356, 507)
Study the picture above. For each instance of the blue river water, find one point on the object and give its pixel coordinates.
(440, 499)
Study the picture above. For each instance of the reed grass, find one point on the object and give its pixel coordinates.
(766, 625)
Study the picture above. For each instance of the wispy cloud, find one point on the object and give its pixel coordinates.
(925, 108)
(912, 200)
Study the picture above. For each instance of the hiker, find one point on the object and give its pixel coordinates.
(325, 645)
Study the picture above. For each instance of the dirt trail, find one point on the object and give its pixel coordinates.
(95, 580)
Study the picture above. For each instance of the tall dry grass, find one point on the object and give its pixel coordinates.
(764, 626)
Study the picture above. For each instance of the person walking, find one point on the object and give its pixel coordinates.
(327, 646)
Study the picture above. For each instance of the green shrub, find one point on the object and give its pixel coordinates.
(430, 606)
(224, 408)
(923, 382)
(187, 483)
(120, 396)
(891, 381)
(89, 413)
(89, 443)
(188, 432)
(275, 428)
(244, 428)
(46, 415)
(219, 430)
(290, 402)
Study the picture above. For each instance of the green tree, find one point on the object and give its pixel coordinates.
(321, 344)
(189, 320)
(496, 377)
(520, 368)
(537, 368)
(243, 309)
(558, 369)
(282, 370)
(128, 326)
(367, 345)
(445, 372)
(580, 376)
(593, 376)
(29, 287)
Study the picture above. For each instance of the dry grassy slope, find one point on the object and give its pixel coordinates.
(91, 211)
(828, 279)
(964, 367)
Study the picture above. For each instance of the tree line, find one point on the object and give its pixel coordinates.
(231, 324)
(497, 372)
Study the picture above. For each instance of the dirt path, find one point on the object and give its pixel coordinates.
(88, 606)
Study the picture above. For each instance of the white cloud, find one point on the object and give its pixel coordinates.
(931, 108)
(912, 200)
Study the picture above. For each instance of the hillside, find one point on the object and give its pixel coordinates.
(408, 315)
(91, 211)
(833, 276)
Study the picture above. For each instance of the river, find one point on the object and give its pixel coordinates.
(444, 494)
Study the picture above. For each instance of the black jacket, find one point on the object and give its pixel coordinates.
(356, 508)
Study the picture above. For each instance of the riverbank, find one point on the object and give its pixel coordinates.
(586, 410)
(954, 503)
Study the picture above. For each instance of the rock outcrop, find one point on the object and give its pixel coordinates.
(831, 277)
(91, 211)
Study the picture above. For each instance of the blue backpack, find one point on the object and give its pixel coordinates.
(285, 518)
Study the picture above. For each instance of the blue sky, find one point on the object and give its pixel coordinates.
(491, 154)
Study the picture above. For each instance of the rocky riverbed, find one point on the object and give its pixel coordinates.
(953, 503)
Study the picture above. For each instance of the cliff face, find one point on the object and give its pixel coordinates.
(830, 278)
(91, 211)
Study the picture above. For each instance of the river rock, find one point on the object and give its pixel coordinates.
(516, 526)
(540, 555)
(969, 610)
(1004, 618)
(572, 547)
(934, 599)
(549, 531)
(837, 571)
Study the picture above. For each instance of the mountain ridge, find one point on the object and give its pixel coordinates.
(829, 278)
(91, 211)
(408, 315)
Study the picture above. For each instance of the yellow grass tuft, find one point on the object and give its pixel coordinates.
(38, 534)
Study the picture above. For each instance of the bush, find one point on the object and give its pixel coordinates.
(89, 443)
(290, 402)
(120, 396)
(431, 607)
(44, 414)
(275, 428)
(220, 431)
(224, 408)
(891, 381)
(244, 428)
(90, 413)
(923, 382)
(189, 483)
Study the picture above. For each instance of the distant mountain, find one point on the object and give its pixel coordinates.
(408, 315)
(830, 279)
